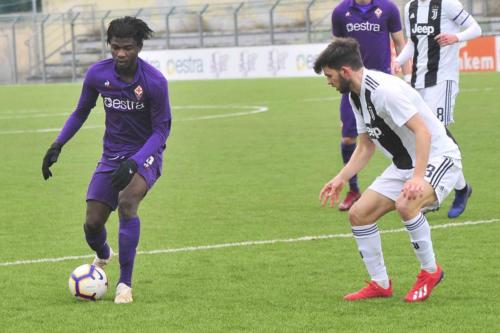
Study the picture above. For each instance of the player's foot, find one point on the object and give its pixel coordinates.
(349, 200)
(460, 202)
(101, 263)
(123, 294)
(422, 288)
(372, 290)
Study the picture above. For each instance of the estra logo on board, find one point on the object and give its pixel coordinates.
(479, 55)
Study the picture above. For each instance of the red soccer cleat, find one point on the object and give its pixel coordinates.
(349, 200)
(372, 290)
(426, 281)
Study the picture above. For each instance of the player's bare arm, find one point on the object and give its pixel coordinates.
(399, 44)
(414, 188)
(360, 158)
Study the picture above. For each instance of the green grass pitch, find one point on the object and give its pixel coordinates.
(233, 176)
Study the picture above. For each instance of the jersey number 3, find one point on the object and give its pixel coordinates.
(430, 170)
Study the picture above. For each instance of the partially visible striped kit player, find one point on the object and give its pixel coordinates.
(435, 28)
(435, 64)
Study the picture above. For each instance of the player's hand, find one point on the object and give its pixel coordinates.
(123, 174)
(396, 67)
(445, 39)
(331, 191)
(50, 158)
(413, 188)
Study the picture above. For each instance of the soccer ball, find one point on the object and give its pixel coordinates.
(88, 282)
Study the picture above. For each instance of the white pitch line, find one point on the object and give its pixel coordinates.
(46, 130)
(252, 109)
(34, 115)
(476, 89)
(246, 243)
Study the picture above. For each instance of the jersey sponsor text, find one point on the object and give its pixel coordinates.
(123, 105)
(422, 29)
(373, 132)
(364, 26)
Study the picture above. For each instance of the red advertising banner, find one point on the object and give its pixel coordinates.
(479, 55)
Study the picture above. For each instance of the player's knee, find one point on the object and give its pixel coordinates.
(127, 206)
(348, 140)
(96, 216)
(356, 216)
(94, 223)
(405, 208)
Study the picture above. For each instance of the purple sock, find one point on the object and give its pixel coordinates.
(128, 238)
(97, 242)
(347, 150)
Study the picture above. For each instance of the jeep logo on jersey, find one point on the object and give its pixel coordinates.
(422, 29)
(364, 26)
(123, 105)
(373, 132)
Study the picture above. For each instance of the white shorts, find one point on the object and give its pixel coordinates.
(441, 100)
(442, 173)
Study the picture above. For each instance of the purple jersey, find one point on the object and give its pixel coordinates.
(137, 114)
(371, 28)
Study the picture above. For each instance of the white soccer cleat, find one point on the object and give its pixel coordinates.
(123, 294)
(101, 263)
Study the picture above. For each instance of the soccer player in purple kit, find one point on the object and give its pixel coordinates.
(372, 23)
(138, 121)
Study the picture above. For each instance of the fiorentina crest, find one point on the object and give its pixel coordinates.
(138, 92)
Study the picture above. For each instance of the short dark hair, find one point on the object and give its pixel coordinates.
(129, 27)
(340, 52)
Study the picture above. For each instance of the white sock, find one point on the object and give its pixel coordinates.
(420, 236)
(460, 182)
(370, 247)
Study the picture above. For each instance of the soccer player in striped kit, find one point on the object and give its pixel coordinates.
(138, 120)
(434, 29)
(392, 116)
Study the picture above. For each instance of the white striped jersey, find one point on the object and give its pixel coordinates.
(424, 20)
(382, 109)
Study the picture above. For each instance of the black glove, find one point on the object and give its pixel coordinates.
(50, 158)
(123, 174)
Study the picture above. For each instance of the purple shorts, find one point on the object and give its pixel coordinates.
(349, 128)
(100, 188)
